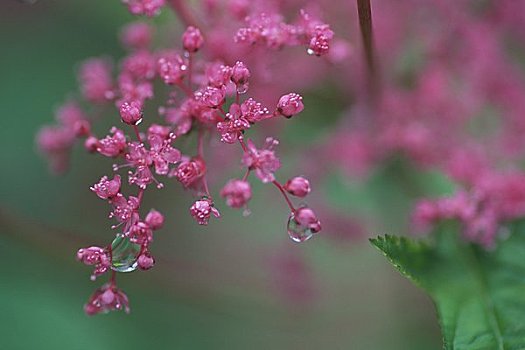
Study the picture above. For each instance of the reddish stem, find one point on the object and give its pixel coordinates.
(243, 145)
(246, 175)
(280, 187)
(136, 129)
(190, 68)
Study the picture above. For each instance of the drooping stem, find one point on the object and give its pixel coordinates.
(180, 7)
(136, 129)
(283, 192)
(367, 36)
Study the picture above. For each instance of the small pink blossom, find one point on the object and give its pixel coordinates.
(320, 38)
(263, 161)
(253, 111)
(148, 8)
(290, 105)
(237, 193)
(131, 112)
(107, 298)
(145, 261)
(192, 39)
(91, 144)
(306, 217)
(125, 210)
(240, 74)
(112, 145)
(202, 209)
(105, 188)
(211, 97)
(95, 256)
(233, 126)
(154, 219)
(140, 233)
(190, 171)
(95, 80)
(136, 35)
(140, 64)
(172, 68)
(298, 186)
(218, 74)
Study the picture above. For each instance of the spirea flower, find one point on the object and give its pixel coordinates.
(237, 193)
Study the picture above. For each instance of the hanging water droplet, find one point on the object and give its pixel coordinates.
(246, 212)
(310, 51)
(124, 254)
(242, 89)
(297, 232)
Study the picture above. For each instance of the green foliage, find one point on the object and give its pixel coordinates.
(479, 295)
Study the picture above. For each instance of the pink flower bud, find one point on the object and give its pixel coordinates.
(211, 97)
(192, 39)
(202, 209)
(188, 172)
(290, 105)
(145, 261)
(105, 299)
(107, 189)
(306, 217)
(298, 186)
(91, 144)
(136, 35)
(154, 219)
(237, 193)
(240, 74)
(82, 128)
(171, 68)
(131, 112)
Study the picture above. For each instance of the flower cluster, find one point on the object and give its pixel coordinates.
(206, 98)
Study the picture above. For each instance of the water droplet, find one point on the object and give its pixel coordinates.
(310, 51)
(246, 212)
(297, 232)
(242, 89)
(124, 254)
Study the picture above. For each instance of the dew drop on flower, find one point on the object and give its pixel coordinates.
(297, 232)
(124, 254)
(310, 51)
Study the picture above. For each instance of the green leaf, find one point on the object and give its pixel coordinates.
(479, 295)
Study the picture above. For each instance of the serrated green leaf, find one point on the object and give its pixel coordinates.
(479, 295)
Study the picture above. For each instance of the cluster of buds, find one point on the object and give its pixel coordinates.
(272, 31)
(211, 103)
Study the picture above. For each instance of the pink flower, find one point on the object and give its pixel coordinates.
(145, 261)
(125, 210)
(263, 161)
(319, 43)
(112, 145)
(290, 105)
(162, 153)
(140, 233)
(233, 126)
(95, 80)
(240, 74)
(154, 219)
(211, 97)
(171, 68)
(148, 8)
(140, 65)
(202, 209)
(131, 112)
(218, 74)
(298, 186)
(253, 111)
(105, 188)
(190, 171)
(306, 217)
(192, 39)
(136, 35)
(95, 256)
(107, 298)
(237, 193)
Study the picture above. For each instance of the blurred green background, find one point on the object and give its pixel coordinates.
(217, 287)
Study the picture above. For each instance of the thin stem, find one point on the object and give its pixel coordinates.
(243, 145)
(190, 69)
(248, 171)
(283, 192)
(237, 96)
(136, 129)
